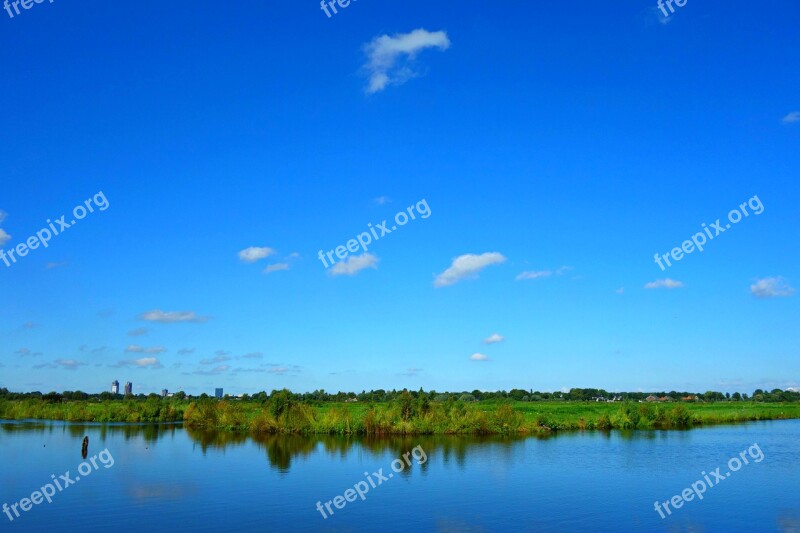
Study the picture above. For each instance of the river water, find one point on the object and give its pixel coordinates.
(158, 478)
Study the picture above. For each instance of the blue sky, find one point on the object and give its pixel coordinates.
(575, 139)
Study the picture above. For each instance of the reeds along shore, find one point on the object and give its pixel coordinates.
(402, 416)
(458, 418)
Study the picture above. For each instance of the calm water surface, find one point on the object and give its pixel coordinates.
(172, 478)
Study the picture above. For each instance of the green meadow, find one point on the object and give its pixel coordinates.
(403, 416)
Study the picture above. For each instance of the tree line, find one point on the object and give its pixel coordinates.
(382, 396)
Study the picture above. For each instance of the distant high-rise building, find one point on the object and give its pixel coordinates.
(218, 393)
(164, 393)
(129, 388)
(115, 387)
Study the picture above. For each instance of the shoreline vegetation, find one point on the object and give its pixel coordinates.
(404, 412)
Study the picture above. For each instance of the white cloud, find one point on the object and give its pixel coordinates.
(254, 253)
(467, 266)
(213, 372)
(276, 267)
(185, 351)
(282, 369)
(168, 317)
(3, 215)
(389, 58)
(51, 265)
(248, 370)
(25, 352)
(771, 288)
(138, 332)
(4, 237)
(494, 338)
(664, 284)
(621, 290)
(218, 359)
(253, 355)
(67, 364)
(354, 264)
(536, 274)
(533, 274)
(144, 362)
(478, 357)
(382, 200)
(133, 348)
(791, 118)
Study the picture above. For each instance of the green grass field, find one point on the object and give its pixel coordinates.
(403, 418)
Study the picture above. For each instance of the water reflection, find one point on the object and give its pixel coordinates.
(282, 450)
(226, 481)
(147, 432)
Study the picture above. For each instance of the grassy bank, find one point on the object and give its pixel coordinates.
(132, 411)
(405, 416)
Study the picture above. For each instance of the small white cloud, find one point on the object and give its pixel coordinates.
(533, 274)
(621, 290)
(218, 359)
(536, 274)
(276, 267)
(494, 338)
(791, 118)
(4, 237)
(185, 351)
(25, 352)
(354, 264)
(138, 332)
(382, 200)
(255, 253)
(478, 357)
(68, 364)
(144, 362)
(390, 58)
(467, 266)
(282, 369)
(771, 288)
(248, 370)
(133, 348)
(253, 355)
(221, 369)
(168, 317)
(51, 266)
(3, 215)
(664, 284)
